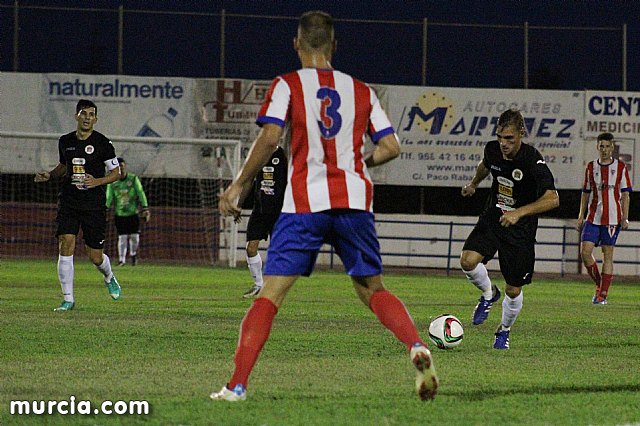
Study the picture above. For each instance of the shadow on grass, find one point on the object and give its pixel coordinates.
(538, 390)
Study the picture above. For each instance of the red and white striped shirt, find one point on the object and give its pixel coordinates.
(605, 185)
(329, 114)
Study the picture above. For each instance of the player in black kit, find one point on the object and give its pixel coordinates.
(84, 155)
(268, 195)
(522, 188)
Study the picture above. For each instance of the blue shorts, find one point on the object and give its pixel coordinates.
(297, 238)
(600, 235)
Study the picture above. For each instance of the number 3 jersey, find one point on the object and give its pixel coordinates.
(329, 114)
(82, 157)
(516, 183)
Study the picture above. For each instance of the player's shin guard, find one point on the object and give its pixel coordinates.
(392, 314)
(479, 277)
(134, 242)
(254, 332)
(594, 273)
(105, 268)
(65, 275)
(510, 309)
(122, 248)
(255, 267)
(604, 287)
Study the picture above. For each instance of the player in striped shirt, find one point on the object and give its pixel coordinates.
(328, 196)
(605, 201)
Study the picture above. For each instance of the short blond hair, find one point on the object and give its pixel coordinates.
(512, 117)
(315, 31)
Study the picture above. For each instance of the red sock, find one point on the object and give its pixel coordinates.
(594, 273)
(393, 315)
(254, 332)
(604, 287)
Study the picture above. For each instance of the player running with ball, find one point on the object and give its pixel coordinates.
(522, 188)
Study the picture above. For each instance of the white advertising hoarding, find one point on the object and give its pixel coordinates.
(127, 106)
(443, 131)
(617, 113)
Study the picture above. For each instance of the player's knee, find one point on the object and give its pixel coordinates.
(512, 291)
(252, 248)
(587, 254)
(607, 253)
(467, 263)
(275, 288)
(96, 259)
(366, 289)
(66, 244)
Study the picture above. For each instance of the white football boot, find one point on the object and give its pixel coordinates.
(239, 393)
(426, 378)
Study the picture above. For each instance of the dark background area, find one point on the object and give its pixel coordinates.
(571, 46)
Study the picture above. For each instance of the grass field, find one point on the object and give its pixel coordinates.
(170, 341)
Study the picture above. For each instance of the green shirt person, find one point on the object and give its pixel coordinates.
(130, 203)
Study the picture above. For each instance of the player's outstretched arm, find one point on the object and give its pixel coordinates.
(237, 217)
(259, 154)
(58, 171)
(41, 177)
(145, 214)
(110, 196)
(624, 203)
(142, 197)
(584, 199)
(386, 150)
(548, 201)
(481, 173)
(92, 182)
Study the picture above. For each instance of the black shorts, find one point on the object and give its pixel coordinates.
(516, 251)
(260, 226)
(126, 225)
(92, 222)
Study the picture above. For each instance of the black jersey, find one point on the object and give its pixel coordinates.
(83, 157)
(516, 183)
(270, 183)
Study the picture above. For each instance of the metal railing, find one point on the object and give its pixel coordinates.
(557, 247)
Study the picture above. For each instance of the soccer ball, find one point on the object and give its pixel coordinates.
(446, 331)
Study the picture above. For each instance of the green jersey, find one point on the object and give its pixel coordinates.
(128, 195)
